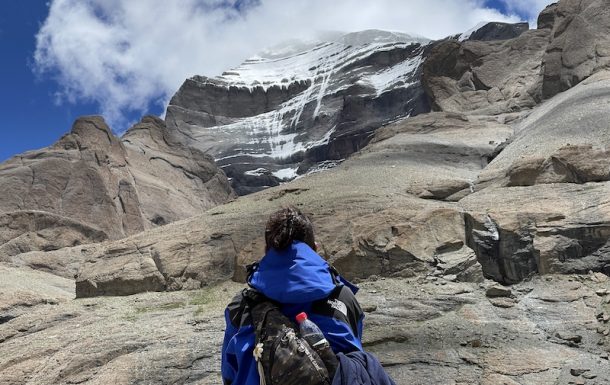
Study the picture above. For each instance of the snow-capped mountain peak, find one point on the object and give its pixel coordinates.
(293, 105)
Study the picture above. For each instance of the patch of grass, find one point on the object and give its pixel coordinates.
(198, 311)
(165, 306)
(130, 318)
(201, 297)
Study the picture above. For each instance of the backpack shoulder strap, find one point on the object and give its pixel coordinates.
(250, 269)
(334, 274)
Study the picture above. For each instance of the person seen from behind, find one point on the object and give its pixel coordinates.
(294, 276)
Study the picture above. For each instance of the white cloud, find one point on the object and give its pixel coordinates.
(126, 55)
(528, 8)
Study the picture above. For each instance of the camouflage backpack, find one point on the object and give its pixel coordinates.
(283, 358)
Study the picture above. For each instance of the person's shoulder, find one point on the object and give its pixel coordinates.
(238, 310)
(341, 304)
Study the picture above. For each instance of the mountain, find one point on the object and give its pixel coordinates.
(478, 232)
(300, 107)
(91, 186)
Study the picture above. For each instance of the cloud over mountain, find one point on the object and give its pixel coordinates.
(127, 56)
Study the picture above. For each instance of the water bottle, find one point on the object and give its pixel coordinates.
(311, 333)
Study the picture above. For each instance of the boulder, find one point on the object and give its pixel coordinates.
(520, 231)
(569, 164)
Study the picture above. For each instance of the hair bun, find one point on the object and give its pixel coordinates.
(286, 226)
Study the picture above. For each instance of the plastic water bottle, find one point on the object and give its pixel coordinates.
(311, 333)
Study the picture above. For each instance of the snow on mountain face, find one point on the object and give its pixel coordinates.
(293, 106)
(486, 31)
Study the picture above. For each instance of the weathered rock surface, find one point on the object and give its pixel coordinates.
(520, 231)
(492, 77)
(78, 178)
(23, 289)
(485, 77)
(389, 195)
(580, 44)
(408, 199)
(172, 181)
(23, 231)
(421, 331)
(91, 186)
(562, 140)
(499, 31)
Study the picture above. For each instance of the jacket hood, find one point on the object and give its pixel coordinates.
(296, 274)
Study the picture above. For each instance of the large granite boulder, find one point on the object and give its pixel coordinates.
(517, 232)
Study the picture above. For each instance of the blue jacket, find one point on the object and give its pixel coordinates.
(300, 280)
(360, 368)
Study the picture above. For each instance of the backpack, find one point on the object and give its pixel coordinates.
(283, 358)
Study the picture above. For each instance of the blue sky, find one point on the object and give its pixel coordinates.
(124, 75)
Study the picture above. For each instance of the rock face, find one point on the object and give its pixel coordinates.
(580, 44)
(539, 229)
(498, 31)
(572, 43)
(485, 77)
(24, 231)
(555, 222)
(172, 181)
(285, 112)
(91, 186)
(390, 194)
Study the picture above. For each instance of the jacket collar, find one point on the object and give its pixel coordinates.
(296, 274)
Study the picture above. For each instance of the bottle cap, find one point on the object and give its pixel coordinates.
(301, 317)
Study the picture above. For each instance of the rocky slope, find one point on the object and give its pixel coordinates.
(91, 186)
(506, 181)
(547, 331)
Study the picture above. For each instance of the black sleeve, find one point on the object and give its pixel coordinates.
(342, 305)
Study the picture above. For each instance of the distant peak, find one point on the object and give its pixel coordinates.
(359, 38)
(370, 36)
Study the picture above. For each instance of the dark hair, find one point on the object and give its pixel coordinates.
(287, 225)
